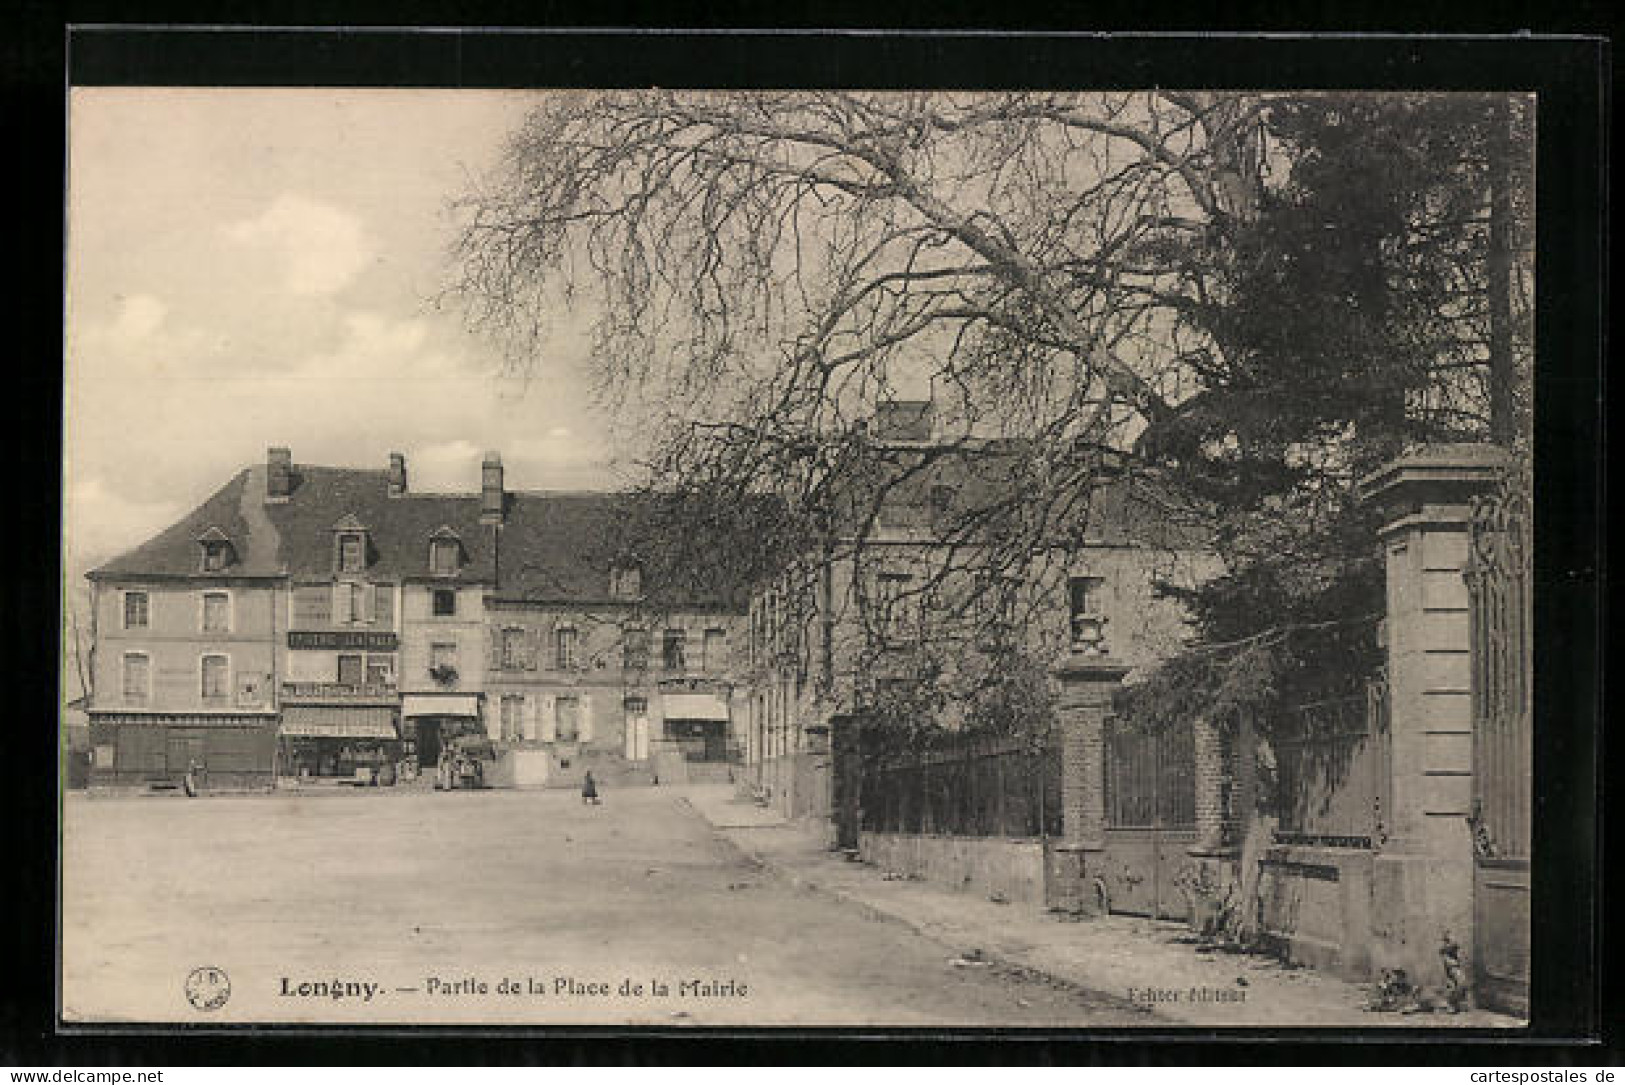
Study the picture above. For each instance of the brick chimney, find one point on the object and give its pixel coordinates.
(278, 474)
(491, 489)
(397, 475)
(903, 420)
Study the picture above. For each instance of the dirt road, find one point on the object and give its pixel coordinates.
(494, 907)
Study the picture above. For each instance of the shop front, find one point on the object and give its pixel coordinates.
(334, 742)
(223, 751)
(431, 723)
(697, 724)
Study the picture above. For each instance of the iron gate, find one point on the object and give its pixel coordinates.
(1150, 818)
(1500, 604)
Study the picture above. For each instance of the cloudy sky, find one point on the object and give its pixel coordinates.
(250, 268)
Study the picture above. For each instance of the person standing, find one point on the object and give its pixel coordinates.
(589, 790)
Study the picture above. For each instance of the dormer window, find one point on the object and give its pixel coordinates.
(351, 554)
(215, 551)
(350, 546)
(445, 552)
(625, 582)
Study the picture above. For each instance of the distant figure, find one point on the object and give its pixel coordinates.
(192, 768)
(589, 790)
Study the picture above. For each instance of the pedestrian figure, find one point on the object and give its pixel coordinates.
(190, 782)
(589, 790)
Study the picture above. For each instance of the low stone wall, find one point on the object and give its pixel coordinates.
(985, 866)
(1317, 904)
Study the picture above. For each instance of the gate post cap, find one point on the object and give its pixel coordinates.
(1435, 474)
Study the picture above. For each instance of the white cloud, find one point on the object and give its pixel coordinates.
(448, 467)
(321, 247)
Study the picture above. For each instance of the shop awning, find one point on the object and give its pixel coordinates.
(693, 706)
(335, 721)
(420, 704)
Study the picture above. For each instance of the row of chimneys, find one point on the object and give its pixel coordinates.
(279, 479)
(898, 420)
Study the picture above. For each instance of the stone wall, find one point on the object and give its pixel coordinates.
(988, 867)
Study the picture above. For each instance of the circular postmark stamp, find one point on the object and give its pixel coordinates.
(207, 988)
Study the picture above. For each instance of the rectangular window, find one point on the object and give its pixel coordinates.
(1083, 594)
(214, 557)
(350, 670)
(672, 650)
(349, 603)
(312, 606)
(635, 650)
(383, 604)
(625, 582)
(443, 556)
(350, 554)
(380, 670)
(445, 602)
(564, 654)
(216, 686)
(443, 654)
(715, 651)
(513, 709)
(513, 649)
(216, 612)
(567, 718)
(135, 610)
(1083, 605)
(891, 607)
(137, 678)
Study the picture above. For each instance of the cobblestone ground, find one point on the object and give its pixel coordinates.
(490, 907)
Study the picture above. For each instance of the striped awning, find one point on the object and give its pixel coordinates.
(338, 721)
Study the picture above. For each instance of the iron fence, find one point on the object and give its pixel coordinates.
(966, 786)
(1332, 771)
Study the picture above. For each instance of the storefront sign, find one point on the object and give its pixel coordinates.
(313, 722)
(342, 640)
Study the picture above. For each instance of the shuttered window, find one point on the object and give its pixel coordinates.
(715, 651)
(312, 606)
(635, 650)
(383, 605)
(513, 709)
(137, 678)
(567, 713)
(216, 612)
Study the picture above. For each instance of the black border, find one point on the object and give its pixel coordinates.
(1570, 75)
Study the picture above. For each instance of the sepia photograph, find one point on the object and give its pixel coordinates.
(812, 558)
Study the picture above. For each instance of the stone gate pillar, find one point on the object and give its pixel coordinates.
(1422, 878)
(1089, 677)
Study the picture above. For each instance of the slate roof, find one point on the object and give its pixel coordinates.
(175, 552)
(556, 547)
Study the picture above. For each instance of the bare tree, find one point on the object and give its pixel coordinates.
(1060, 273)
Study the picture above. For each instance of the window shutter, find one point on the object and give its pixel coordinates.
(383, 611)
(548, 709)
(493, 646)
(528, 718)
(369, 602)
(584, 725)
(341, 602)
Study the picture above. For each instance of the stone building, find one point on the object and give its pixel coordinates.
(845, 620)
(311, 622)
(184, 653)
(590, 667)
